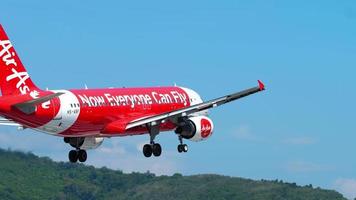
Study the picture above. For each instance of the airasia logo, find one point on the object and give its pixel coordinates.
(7, 55)
(206, 128)
(21, 78)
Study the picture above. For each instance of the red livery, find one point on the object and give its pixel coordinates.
(85, 117)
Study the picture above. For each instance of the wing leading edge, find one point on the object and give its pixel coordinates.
(174, 115)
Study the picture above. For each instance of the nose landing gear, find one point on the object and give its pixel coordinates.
(182, 147)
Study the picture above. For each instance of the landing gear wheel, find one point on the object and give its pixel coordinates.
(82, 156)
(73, 156)
(147, 150)
(156, 150)
(182, 148)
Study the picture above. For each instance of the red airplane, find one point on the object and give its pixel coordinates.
(84, 117)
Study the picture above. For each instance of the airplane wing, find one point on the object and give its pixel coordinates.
(154, 120)
(7, 122)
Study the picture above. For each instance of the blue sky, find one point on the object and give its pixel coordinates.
(300, 130)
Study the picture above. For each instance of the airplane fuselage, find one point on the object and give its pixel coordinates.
(86, 112)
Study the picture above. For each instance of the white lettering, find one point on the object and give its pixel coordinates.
(46, 105)
(134, 100)
(183, 98)
(110, 99)
(175, 96)
(100, 100)
(34, 94)
(22, 76)
(148, 99)
(130, 99)
(5, 53)
(154, 95)
(85, 100)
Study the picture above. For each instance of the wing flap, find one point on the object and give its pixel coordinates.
(118, 127)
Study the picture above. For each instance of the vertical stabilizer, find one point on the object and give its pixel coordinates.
(14, 78)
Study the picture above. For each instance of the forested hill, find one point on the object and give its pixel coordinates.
(26, 176)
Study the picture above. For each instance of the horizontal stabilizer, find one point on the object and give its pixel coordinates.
(8, 122)
(29, 107)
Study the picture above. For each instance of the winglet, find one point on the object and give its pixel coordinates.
(261, 85)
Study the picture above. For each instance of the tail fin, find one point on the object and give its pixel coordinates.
(14, 78)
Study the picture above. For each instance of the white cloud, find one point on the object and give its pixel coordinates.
(347, 187)
(244, 133)
(299, 141)
(116, 153)
(29, 140)
(306, 167)
(134, 161)
(113, 148)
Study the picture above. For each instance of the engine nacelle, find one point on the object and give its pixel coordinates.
(92, 142)
(196, 128)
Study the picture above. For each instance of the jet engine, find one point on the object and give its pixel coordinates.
(196, 128)
(85, 142)
(92, 142)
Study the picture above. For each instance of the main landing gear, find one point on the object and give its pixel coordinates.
(152, 148)
(155, 149)
(77, 154)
